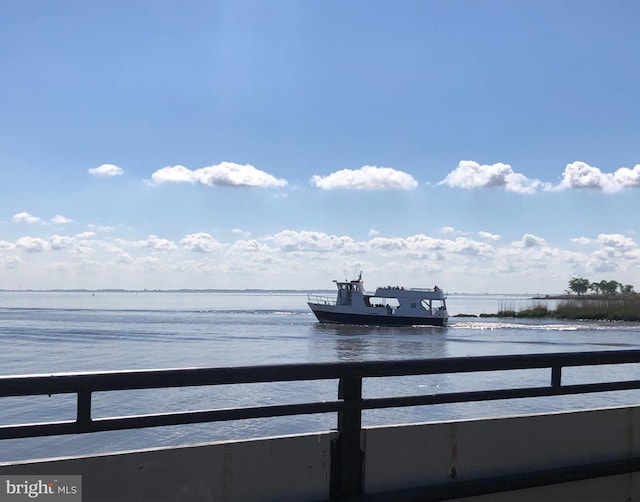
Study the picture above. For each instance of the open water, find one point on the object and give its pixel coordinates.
(52, 332)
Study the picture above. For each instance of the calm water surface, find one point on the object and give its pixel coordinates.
(67, 332)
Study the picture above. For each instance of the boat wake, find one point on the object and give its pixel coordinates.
(498, 325)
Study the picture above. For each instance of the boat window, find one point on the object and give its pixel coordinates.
(375, 301)
(426, 304)
(413, 305)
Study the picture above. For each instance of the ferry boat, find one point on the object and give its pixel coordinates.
(387, 306)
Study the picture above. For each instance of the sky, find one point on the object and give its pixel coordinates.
(485, 146)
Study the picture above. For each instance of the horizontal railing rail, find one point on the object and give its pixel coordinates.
(348, 405)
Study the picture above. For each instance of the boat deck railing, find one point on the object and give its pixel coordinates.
(347, 457)
(322, 299)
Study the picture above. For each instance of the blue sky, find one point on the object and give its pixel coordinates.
(484, 146)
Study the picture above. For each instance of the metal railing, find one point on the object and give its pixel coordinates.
(347, 456)
(322, 299)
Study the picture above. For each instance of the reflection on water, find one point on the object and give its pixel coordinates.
(363, 343)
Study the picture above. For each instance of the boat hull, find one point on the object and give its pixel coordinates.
(328, 316)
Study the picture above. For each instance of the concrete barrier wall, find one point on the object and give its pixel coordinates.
(609, 489)
(297, 468)
(291, 468)
(418, 455)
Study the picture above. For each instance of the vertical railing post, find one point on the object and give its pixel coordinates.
(346, 455)
(556, 376)
(83, 417)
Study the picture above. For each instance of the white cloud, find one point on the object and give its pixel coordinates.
(290, 240)
(430, 248)
(628, 178)
(124, 259)
(32, 244)
(465, 246)
(106, 171)
(59, 242)
(581, 240)
(201, 243)
(155, 243)
(24, 217)
(617, 241)
(423, 245)
(488, 236)
(85, 235)
(447, 230)
(470, 174)
(83, 250)
(6, 246)
(172, 174)
(223, 174)
(388, 244)
(60, 220)
(581, 175)
(249, 246)
(617, 252)
(529, 241)
(373, 232)
(366, 178)
(231, 174)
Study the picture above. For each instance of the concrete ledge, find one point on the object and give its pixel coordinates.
(290, 468)
(405, 457)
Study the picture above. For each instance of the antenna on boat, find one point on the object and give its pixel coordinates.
(358, 271)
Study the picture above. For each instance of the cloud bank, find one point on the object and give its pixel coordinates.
(576, 175)
(468, 175)
(201, 260)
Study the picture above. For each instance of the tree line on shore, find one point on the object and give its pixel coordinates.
(611, 301)
(580, 286)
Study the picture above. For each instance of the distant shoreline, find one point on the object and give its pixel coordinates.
(117, 290)
(255, 290)
(589, 296)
